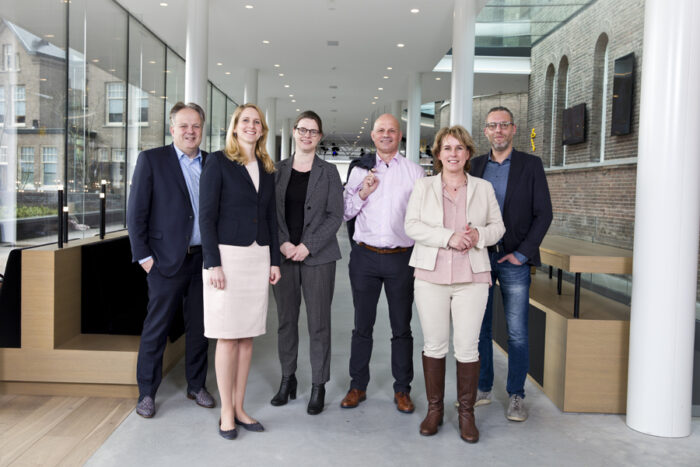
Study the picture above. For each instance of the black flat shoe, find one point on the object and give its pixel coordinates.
(257, 426)
(288, 390)
(228, 434)
(316, 402)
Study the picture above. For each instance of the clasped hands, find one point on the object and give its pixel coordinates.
(294, 252)
(218, 280)
(463, 241)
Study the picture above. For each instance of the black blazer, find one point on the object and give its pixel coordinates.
(231, 212)
(159, 213)
(527, 209)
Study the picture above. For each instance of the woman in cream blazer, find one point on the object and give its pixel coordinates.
(453, 217)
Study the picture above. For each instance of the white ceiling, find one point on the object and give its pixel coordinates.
(298, 31)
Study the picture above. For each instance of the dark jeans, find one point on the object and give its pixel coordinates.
(514, 282)
(368, 271)
(165, 294)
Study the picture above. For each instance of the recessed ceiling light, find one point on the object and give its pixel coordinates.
(286, 85)
(294, 100)
(437, 78)
(112, 70)
(49, 36)
(95, 60)
(277, 65)
(291, 95)
(228, 72)
(42, 79)
(219, 63)
(265, 41)
(386, 77)
(249, 7)
(389, 68)
(163, 4)
(373, 102)
(380, 89)
(415, 10)
(152, 62)
(400, 45)
(298, 110)
(281, 74)
(152, 91)
(362, 128)
(376, 97)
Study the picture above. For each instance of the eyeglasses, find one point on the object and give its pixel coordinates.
(302, 131)
(502, 125)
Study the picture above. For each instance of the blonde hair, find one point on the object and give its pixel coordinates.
(232, 150)
(462, 135)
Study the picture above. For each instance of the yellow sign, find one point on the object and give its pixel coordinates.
(532, 139)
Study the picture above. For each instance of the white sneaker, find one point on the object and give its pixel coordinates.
(516, 409)
(482, 398)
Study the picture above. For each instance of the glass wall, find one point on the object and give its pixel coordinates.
(32, 123)
(77, 109)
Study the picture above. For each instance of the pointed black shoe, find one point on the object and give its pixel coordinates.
(288, 390)
(316, 403)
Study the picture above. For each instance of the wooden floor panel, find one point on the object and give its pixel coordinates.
(56, 430)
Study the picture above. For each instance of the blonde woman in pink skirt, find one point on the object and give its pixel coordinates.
(237, 218)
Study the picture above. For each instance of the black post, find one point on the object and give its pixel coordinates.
(60, 217)
(65, 222)
(103, 208)
(577, 294)
(559, 274)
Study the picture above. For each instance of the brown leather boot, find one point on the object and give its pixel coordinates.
(467, 382)
(434, 372)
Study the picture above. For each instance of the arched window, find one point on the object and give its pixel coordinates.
(548, 114)
(599, 99)
(558, 149)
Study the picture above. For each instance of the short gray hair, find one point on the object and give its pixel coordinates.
(190, 105)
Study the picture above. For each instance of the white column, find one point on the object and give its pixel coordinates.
(197, 52)
(659, 383)
(463, 34)
(396, 109)
(250, 87)
(413, 124)
(271, 118)
(286, 126)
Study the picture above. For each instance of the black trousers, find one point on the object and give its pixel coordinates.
(165, 295)
(368, 272)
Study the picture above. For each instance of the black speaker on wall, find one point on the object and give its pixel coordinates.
(623, 96)
(574, 125)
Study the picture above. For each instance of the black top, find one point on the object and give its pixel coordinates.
(294, 204)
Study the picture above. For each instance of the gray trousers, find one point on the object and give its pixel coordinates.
(317, 284)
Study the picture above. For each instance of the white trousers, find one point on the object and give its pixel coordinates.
(465, 303)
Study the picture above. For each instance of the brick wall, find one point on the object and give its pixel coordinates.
(590, 202)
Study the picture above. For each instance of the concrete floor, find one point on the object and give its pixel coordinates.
(375, 433)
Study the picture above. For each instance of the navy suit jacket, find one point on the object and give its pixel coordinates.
(159, 216)
(231, 212)
(527, 208)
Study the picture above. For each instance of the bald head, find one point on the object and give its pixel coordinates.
(386, 135)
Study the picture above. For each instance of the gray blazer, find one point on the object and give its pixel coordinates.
(324, 209)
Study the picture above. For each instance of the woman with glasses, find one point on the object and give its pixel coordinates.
(309, 213)
(238, 222)
(453, 217)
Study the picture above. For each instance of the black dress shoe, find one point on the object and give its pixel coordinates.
(255, 426)
(228, 434)
(288, 390)
(316, 403)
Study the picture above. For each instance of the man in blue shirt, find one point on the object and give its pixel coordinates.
(523, 196)
(163, 221)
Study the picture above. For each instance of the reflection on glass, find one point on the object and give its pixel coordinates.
(218, 120)
(32, 125)
(174, 88)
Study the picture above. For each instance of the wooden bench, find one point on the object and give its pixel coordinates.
(577, 256)
(55, 356)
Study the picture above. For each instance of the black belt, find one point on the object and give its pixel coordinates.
(194, 249)
(497, 248)
(383, 251)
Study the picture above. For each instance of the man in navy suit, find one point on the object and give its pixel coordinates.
(163, 221)
(523, 196)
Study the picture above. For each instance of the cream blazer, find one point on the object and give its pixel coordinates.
(424, 221)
